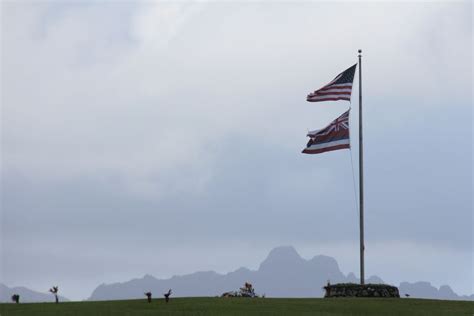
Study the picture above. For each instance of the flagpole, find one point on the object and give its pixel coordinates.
(361, 176)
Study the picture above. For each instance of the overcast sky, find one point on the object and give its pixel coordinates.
(166, 138)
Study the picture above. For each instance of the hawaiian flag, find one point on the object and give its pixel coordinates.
(333, 137)
(338, 89)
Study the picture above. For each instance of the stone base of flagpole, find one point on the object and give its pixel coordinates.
(358, 290)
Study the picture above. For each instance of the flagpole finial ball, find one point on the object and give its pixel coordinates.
(360, 51)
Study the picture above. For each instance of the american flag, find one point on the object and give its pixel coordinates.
(333, 137)
(338, 89)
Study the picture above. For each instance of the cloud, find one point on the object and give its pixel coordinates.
(175, 123)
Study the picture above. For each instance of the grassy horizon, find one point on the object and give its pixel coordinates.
(241, 306)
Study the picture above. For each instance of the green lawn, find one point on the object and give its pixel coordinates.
(242, 306)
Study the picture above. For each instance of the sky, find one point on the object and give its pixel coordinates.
(165, 138)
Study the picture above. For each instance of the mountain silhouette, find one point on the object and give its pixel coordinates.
(26, 295)
(426, 290)
(283, 273)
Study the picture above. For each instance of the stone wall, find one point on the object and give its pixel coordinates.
(357, 290)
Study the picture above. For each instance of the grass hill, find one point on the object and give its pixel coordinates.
(241, 306)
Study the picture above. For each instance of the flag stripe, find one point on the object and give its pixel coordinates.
(329, 144)
(333, 137)
(328, 98)
(340, 88)
(334, 91)
(343, 85)
(337, 87)
(325, 149)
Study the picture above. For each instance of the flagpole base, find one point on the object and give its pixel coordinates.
(358, 290)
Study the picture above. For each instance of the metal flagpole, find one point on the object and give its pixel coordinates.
(361, 175)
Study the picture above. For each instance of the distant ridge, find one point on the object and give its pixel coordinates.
(284, 273)
(26, 295)
(426, 290)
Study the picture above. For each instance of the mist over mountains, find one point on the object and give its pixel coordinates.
(284, 273)
(26, 295)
